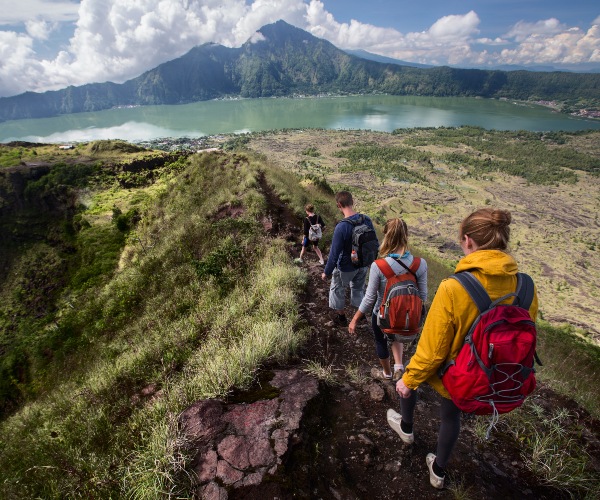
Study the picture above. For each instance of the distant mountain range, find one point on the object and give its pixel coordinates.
(580, 68)
(282, 60)
(383, 59)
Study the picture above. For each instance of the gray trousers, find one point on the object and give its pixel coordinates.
(340, 281)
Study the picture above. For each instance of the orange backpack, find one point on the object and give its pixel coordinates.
(402, 310)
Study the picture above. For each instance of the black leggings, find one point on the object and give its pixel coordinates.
(449, 426)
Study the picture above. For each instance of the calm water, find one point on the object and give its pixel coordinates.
(382, 113)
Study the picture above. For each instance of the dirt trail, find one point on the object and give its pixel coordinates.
(347, 450)
(350, 452)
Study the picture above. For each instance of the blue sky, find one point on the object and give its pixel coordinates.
(496, 15)
(50, 44)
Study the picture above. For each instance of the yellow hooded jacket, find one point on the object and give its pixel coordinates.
(453, 311)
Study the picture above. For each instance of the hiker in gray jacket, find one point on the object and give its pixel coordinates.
(394, 249)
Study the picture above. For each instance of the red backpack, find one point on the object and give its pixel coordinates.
(401, 309)
(493, 372)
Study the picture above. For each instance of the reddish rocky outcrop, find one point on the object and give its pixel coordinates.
(239, 444)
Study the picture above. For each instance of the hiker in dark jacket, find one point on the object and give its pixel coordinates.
(339, 265)
(311, 219)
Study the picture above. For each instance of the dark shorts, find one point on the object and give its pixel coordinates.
(306, 241)
(384, 340)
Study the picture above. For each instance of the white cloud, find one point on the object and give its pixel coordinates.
(522, 30)
(257, 37)
(455, 27)
(54, 10)
(17, 63)
(596, 21)
(351, 35)
(495, 41)
(572, 46)
(39, 29)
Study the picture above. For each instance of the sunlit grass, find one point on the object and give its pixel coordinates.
(356, 375)
(156, 323)
(551, 447)
(571, 365)
(323, 372)
(460, 491)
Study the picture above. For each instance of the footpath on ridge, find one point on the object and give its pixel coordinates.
(294, 435)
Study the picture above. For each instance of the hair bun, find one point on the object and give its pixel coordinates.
(501, 218)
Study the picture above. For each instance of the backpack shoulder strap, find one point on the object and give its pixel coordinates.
(525, 291)
(413, 267)
(385, 268)
(355, 222)
(475, 290)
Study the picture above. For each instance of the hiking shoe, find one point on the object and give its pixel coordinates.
(380, 374)
(340, 320)
(394, 419)
(435, 480)
(398, 372)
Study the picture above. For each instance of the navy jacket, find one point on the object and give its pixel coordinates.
(341, 246)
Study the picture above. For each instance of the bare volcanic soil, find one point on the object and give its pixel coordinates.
(342, 447)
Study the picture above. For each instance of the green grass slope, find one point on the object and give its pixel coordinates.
(195, 305)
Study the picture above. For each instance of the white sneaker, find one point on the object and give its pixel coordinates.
(394, 419)
(398, 372)
(435, 480)
(379, 374)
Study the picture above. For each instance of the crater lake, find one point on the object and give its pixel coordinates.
(371, 112)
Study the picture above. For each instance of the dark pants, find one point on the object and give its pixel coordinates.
(449, 425)
(383, 340)
(380, 338)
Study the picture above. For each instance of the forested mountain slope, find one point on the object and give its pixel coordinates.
(281, 60)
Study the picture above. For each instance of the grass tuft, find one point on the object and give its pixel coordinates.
(356, 374)
(324, 373)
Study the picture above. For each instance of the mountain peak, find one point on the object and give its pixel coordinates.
(280, 30)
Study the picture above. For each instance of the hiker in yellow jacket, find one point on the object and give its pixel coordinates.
(484, 237)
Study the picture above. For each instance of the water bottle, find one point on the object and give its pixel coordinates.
(354, 257)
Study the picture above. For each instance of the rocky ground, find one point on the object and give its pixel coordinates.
(343, 448)
(288, 437)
